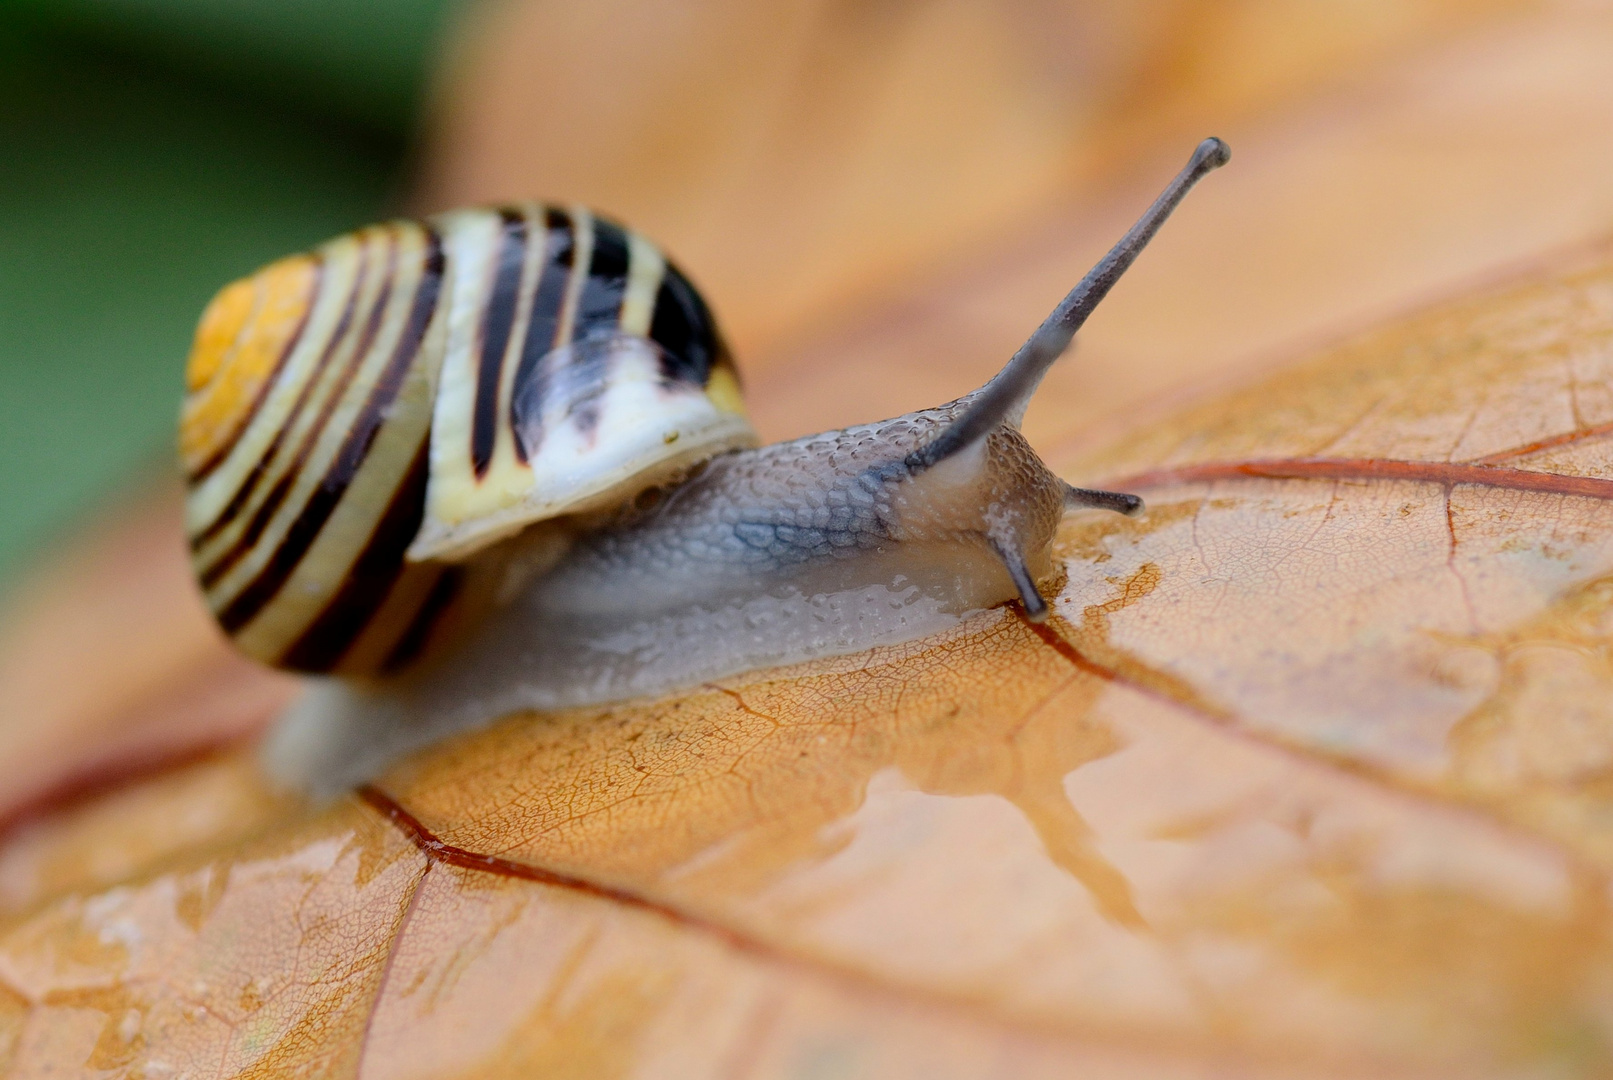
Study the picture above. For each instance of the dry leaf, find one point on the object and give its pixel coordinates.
(109, 663)
(1310, 777)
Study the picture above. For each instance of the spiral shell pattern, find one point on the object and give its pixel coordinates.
(415, 391)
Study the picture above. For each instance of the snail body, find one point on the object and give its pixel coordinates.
(589, 491)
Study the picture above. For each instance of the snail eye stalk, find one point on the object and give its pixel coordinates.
(1004, 398)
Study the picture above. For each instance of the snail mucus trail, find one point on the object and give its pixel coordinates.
(822, 546)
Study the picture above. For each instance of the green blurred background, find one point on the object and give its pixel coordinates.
(150, 151)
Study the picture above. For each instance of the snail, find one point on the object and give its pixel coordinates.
(498, 459)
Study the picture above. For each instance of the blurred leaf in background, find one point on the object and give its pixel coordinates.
(150, 151)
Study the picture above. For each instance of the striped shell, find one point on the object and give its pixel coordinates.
(359, 419)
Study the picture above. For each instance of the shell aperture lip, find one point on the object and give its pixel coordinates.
(597, 421)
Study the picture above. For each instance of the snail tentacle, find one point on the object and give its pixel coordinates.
(1004, 398)
(1087, 498)
(1030, 597)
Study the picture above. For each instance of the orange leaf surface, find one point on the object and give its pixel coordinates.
(1308, 776)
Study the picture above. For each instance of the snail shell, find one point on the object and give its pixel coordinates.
(369, 427)
(358, 418)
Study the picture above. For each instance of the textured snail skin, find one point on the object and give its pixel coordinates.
(824, 513)
(823, 546)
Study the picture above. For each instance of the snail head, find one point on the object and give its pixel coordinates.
(979, 474)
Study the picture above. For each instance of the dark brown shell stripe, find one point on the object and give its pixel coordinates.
(308, 546)
(497, 321)
(548, 303)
